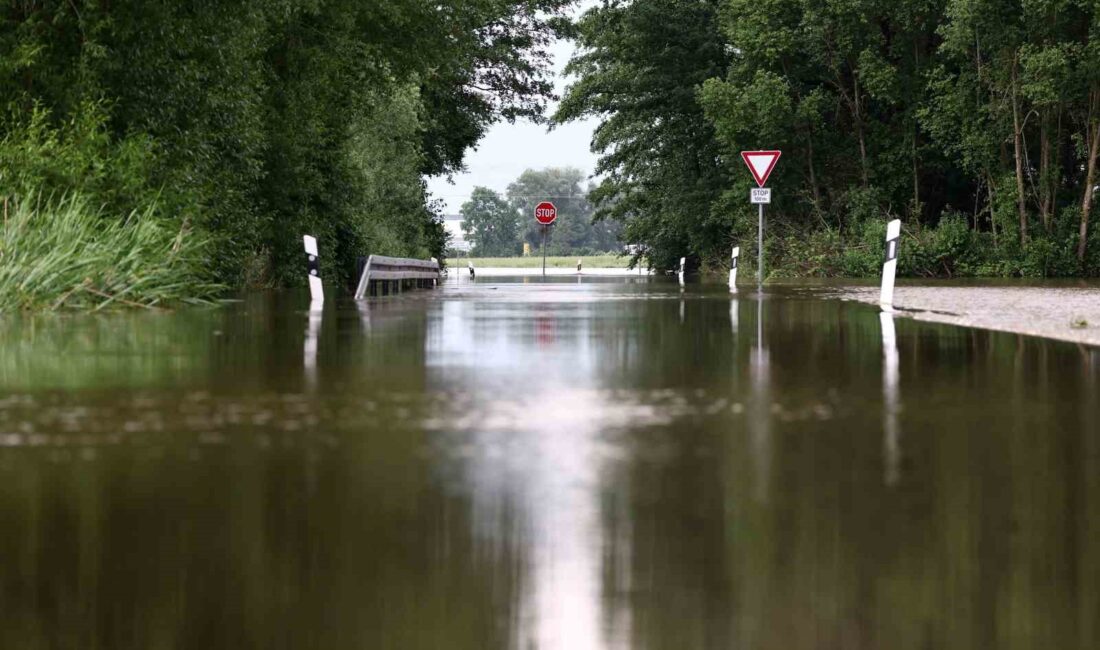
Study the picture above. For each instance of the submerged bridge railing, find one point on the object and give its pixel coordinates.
(383, 275)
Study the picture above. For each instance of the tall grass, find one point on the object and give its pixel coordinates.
(63, 253)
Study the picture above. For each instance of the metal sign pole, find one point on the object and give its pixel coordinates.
(760, 245)
(760, 164)
(544, 229)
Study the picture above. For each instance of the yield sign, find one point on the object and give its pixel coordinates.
(761, 164)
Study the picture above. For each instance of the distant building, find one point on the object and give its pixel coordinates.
(453, 224)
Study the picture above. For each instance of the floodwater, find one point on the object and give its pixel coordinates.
(545, 465)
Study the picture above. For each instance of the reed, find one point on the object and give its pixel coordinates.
(64, 253)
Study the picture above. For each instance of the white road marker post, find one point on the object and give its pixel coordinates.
(733, 268)
(470, 266)
(313, 267)
(890, 263)
(316, 308)
(683, 263)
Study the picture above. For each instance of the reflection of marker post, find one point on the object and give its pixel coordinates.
(891, 438)
(316, 289)
(890, 263)
(733, 268)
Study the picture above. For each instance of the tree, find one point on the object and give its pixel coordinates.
(574, 232)
(274, 118)
(639, 67)
(491, 224)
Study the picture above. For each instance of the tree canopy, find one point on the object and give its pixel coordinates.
(975, 121)
(491, 224)
(257, 122)
(574, 232)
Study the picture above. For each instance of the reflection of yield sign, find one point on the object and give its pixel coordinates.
(761, 164)
(545, 213)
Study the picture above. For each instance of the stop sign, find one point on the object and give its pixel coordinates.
(545, 213)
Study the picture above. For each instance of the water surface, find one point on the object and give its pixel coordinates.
(513, 463)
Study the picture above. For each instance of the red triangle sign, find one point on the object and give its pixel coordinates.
(761, 164)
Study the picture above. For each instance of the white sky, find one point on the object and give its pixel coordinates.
(509, 149)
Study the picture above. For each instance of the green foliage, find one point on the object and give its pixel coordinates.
(576, 231)
(491, 224)
(62, 252)
(260, 122)
(37, 157)
(111, 243)
(976, 122)
(661, 169)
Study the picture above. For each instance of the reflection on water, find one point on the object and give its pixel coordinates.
(602, 464)
(891, 444)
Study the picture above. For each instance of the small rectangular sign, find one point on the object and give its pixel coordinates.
(761, 195)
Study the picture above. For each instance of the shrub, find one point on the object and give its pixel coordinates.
(60, 252)
(39, 157)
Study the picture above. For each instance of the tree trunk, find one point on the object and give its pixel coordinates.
(858, 115)
(1018, 140)
(992, 212)
(1056, 154)
(813, 173)
(1044, 173)
(1092, 132)
(916, 179)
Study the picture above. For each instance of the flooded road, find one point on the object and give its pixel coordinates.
(562, 465)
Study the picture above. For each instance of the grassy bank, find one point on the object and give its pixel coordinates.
(65, 254)
(608, 261)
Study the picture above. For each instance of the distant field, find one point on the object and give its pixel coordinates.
(590, 262)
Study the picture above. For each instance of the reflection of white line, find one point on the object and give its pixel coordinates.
(891, 442)
(536, 467)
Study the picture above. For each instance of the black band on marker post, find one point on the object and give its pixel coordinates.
(733, 265)
(891, 250)
(312, 265)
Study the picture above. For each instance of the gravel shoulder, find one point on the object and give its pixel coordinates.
(1067, 314)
